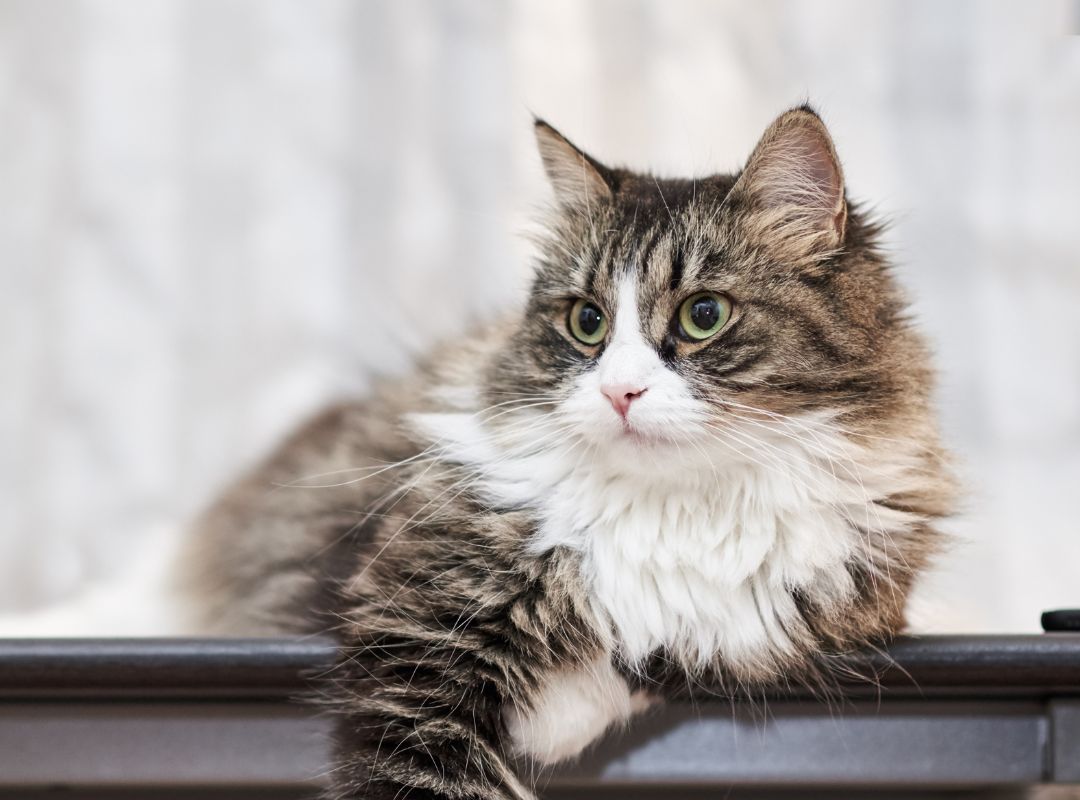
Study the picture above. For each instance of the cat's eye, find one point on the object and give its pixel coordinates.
(587, 322)
(703, 315)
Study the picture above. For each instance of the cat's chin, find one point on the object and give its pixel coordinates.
(643, 438)
(628, 439)
(660, 456)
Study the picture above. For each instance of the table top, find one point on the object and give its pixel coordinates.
(164, 714)
(1036, 665)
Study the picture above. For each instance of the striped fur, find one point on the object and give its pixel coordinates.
(512, 569)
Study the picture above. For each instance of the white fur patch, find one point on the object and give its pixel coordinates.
(702, 561)
(572, 710)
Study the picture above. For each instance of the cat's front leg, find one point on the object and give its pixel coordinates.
(573, 708)
(419, 718)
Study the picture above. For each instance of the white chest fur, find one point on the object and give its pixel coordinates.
(703, 562)
(699, 553)
(698, 562)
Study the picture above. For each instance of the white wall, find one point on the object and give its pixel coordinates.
(216, 215)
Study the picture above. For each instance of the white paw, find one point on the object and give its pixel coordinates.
(571, 712)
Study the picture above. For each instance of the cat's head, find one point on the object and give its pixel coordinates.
(663, 309)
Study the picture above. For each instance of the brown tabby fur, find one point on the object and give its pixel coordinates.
(442, 612)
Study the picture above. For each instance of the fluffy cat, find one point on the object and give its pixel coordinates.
(703, 454)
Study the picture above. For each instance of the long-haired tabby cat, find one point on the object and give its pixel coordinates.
(702, 453)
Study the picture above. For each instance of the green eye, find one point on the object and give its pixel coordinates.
(587, 322)
(704, 314)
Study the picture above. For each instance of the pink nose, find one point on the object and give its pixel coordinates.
(621, 396)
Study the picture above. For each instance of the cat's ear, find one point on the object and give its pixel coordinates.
(794, 175)
(579, 181)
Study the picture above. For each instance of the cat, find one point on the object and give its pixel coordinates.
(702, 454)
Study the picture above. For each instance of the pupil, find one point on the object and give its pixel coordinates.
(589, 320)
(705, 313)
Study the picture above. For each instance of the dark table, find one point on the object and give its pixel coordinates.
(942, 716)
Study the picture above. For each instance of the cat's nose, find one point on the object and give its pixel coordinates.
(621, 395)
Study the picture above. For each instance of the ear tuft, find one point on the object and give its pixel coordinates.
(578, 180)
(795, 173)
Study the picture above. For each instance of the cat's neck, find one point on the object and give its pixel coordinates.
(694, 549)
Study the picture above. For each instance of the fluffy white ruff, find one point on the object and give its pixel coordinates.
(697, 550)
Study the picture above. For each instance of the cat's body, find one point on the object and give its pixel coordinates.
(599, 501)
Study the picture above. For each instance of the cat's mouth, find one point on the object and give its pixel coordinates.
(635, 434)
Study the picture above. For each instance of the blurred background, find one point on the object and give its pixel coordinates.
(217, 216)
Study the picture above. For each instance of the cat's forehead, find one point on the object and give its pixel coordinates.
(652, 261)
(665, 257)
(647, 223)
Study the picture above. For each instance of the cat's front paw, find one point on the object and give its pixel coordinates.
(572, 710)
